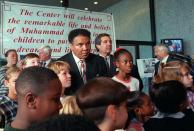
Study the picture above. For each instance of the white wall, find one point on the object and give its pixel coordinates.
(132, 20)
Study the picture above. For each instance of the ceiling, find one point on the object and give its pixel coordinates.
(77, 4)
(102, 4)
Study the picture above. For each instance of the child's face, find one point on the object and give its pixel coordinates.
(48, 103)
(11, 82)
(32, 62)
(125, 63)
(65, 78)
(121, 116)
(147, 109)
(186, 77)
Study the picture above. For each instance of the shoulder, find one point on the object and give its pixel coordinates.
(3, 69)
(4, 99)
(95, 57)
(4, 90)
(66, 56)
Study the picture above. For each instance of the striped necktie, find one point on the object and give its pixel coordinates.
(83, 71)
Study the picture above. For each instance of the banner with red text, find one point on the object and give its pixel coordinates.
(27, 27)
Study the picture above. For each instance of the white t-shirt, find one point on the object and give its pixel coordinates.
(132, 85)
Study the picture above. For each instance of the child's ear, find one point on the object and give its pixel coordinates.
(117, 64)
(6, 83)
(30, 100)
(111, 112)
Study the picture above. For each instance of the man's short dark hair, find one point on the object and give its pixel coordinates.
(34, 79)
(168, 96)
(65, 123)
(76, 32)
(97, 95)
(98, 39)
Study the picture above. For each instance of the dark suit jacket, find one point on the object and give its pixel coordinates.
(112, 69)
(95, 66)
(170, 58)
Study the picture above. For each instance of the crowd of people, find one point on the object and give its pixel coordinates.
(83, 91)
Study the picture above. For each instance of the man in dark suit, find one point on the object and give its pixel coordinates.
(103, 45)
(162, 54)
(84, 65)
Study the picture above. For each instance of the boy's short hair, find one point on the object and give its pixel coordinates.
(96, 95)
(10, 71)
(168, 96)
(29, 56)
(65, 123)
(58, 66)
(76, 32)
(35, 80)
(11, 50)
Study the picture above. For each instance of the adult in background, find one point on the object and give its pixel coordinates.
(45, 55)
(84, 65)
(12, 59)
(162, 54)
(103, 45)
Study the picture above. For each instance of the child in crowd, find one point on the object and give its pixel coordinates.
(65, 122)
(12, 59)
(177, 70)
(103, 100)
(8, 103)
(38, 92)
(62, 69)
(170, 98)
(70, 106)
(124, 63)
(30, 59)
(140, 109)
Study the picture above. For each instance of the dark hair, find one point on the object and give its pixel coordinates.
(11, 50)
(65, 123)
(134, 100)
(76, 32)
(120, 52)
(168, 96)
(34, 79)
(98, 39)
(97, 94)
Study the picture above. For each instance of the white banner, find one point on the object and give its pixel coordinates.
(26, 27)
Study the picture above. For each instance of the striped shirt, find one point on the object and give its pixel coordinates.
(8, 108)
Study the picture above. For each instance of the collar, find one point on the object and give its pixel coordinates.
(77, 60)
(164, 60)
(172, 115)
(107, 57)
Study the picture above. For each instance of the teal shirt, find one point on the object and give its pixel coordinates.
(9, 128)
